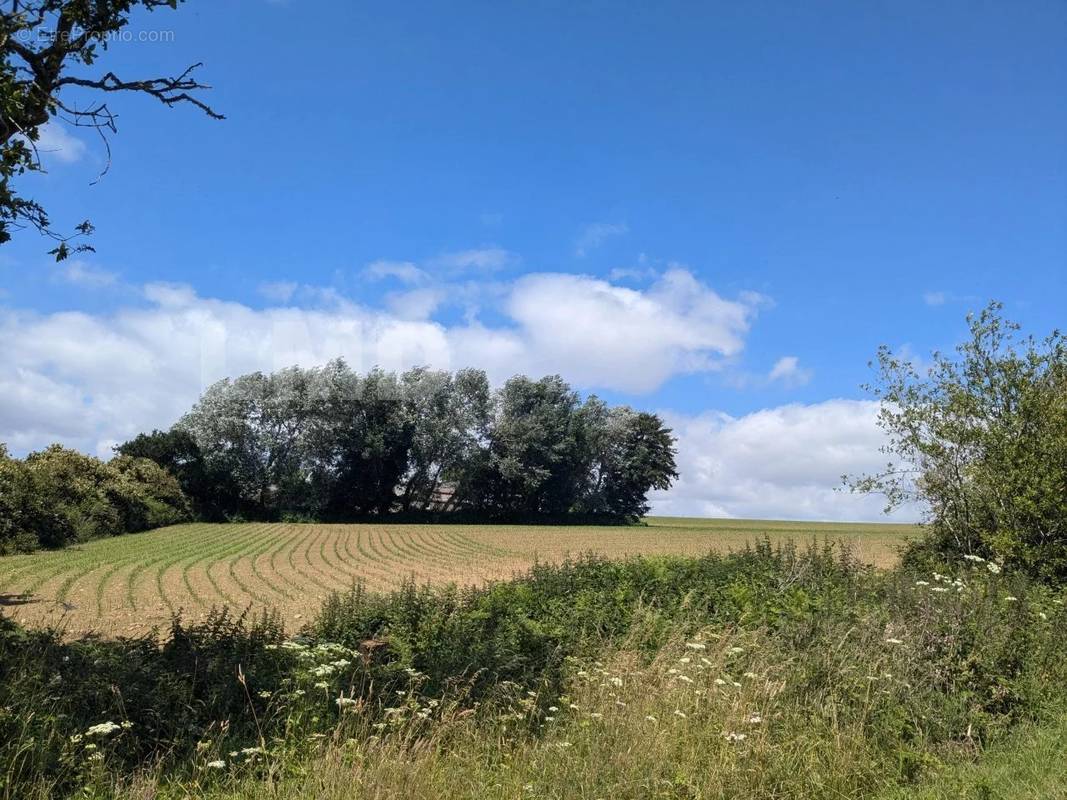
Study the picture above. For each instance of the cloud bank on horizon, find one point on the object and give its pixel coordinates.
(92, 380)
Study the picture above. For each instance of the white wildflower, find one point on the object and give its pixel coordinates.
(696, 645)
(994, 568)
(220, 764)
(103, 729)
(735, 737)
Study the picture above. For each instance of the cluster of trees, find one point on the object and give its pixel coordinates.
(328, 443)
(980, 438)
(58, 496)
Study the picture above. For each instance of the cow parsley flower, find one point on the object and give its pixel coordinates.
(220, 764)
(103, 729)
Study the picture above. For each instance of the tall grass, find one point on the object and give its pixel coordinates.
(768, 673)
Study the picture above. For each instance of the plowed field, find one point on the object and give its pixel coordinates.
(129, 584)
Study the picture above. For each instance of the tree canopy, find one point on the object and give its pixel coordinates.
(327, 442)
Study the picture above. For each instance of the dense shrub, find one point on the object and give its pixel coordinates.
(58, 496)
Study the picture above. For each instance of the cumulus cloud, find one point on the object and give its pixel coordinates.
(595, 234)
(102, 378)
(623, 338)
(777, 463)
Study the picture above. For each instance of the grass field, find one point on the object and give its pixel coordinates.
(131, 583)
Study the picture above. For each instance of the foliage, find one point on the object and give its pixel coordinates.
(212, 492)
(329, 443)
(836, 675)
(58, 496)
(981, 439)
(41, 41)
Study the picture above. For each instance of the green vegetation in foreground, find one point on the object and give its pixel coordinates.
(1030, 765)
(765, 673)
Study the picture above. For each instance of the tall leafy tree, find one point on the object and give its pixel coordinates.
(535, 448)
(450, 418)
(980, 439)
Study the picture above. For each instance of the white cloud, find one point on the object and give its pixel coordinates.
(595, 234)
(55, 143)
(787, 370)
(80, 273)
(623, 338)
(403, 271)
(777, 463)
(102, 378)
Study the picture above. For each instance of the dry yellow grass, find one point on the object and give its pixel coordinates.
(131, 583)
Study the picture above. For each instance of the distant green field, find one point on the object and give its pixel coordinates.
(130, 583)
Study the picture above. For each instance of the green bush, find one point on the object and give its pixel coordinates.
(981, 441)
(59, 496)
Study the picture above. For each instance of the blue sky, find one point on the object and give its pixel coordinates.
(717, 211)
